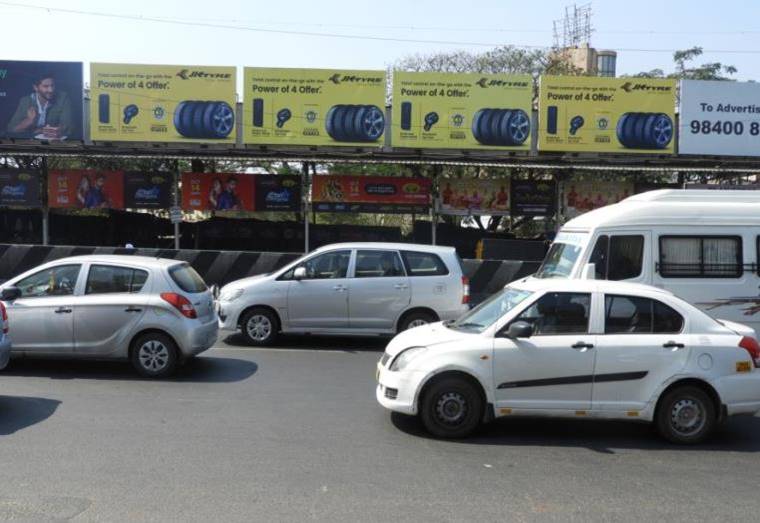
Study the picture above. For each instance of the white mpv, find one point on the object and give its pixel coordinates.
(575, 348)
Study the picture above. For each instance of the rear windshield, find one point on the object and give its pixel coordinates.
(187, 279)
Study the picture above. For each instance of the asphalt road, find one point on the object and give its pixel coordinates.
(294, 433)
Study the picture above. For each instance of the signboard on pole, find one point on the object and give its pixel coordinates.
(379, 194)
(533, 197)
(19, 188)
(719, 118)
(462, 196)
(461, 111)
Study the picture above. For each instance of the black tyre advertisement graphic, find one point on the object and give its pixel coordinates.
(196, 119)
(502, 127)
(645, 130)
(355, 123)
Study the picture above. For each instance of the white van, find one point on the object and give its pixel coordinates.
(702, 245)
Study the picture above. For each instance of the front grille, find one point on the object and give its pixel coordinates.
(385, 359)
(391, 394)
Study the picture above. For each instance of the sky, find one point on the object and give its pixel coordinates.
(644, 32)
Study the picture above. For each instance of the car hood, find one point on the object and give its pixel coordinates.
(425, 336)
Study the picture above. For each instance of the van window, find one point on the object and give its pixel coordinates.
(423, 264)
(635, 315)
(618, 257)
(701, 257)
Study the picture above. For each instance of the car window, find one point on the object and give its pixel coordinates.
(618, 257)
(558, 313)
(424, 264)
(489, 311)
(327, 266)
(378, 264)
(187, 278)
(599, 257)
(106, 279)
(635, 315)
(55, 281)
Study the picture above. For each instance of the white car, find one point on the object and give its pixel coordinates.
(575, 348)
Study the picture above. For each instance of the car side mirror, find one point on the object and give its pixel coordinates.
(10, 294)
(520, 329)
(299, 274)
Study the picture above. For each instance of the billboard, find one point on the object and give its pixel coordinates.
(314, 107)
(719, 118)
(584, 196)
(217, 192)
(277, 193)
(19, 188)
(86, 189)
(40, 100)
(370, 194)
(533, 197)
(147, 190)
(606, 115)
(461, 111)
(162, 103)
(472, 196)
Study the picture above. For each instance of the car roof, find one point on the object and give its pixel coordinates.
(144, 261)
(389, 245)
(578, 285)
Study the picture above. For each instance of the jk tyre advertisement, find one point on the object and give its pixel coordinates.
(461, 111)
(314, 107)
(719, 118)
(19, 188)
(41, 100)
(332, 193)
(162, 103)
(607, 115)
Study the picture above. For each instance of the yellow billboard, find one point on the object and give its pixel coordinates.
(162, 103)
(606, 115)
(461, 111)
(314, 107)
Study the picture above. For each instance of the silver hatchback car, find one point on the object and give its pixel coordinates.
(154, 312)
(349, 289)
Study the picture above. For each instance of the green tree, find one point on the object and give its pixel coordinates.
(685, 70)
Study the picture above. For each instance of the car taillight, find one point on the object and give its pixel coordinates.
(180, 303)
(750, 345)
(3, 319)
(465, 289)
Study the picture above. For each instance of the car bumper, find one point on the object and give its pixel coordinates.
(5, 353)
(201, 337)
(229, 313)
(397, 391)
(740, 393)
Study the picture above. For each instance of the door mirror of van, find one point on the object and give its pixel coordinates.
(299, 274)
(10, 294)
(520, 329)
(589, 272)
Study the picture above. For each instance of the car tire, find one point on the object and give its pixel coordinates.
(260, 327)
(187, 117)
(218, 120)
(498, 120)
(154, 355)
(475, 127)
(199, 118)
(686, 415)
(369, 123)
(661, 131)
(451, 408)
(416, 319)
(518, 128)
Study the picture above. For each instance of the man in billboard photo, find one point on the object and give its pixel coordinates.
(44, 114)
(228, 200)
(96, 197)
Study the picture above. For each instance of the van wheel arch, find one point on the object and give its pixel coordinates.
(265, 307)
(416, 310)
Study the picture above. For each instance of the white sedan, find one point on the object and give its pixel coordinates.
(575, 348)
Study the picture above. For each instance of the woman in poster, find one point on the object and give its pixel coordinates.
(214, 192)
(82, 189)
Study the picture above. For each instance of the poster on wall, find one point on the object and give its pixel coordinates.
(606, 115)
(314, 107)
(147, 190)
(342, 193)
(40, 100)
(584, 196)
(471, 196)
(533, 197)
(461, 111)
(86, 189)
(162, 103)
(719, 118)
(218, 192)
(278, 193)
(19, 188)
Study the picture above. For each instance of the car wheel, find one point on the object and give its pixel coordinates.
(661, 131)
(416, 319)
(369, 123)
(155, 355)
(451, 408)
(686, 415)
(219, 120)
(260, 327)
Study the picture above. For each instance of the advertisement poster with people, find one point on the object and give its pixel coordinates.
(464, 197)
(346, 193)
(218, 192)
(40, 100)
(19, 188)
(584, 196)
(86, 189)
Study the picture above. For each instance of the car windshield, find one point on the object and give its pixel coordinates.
(488, 312)
(562, 255)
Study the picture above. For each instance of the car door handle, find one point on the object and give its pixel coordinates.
(132, 309)
(401, 286)
(62, 310)
(583, 345)
(673, 345)
(339, 288)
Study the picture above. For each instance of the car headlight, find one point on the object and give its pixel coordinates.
(405, 357)
(231, 295)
